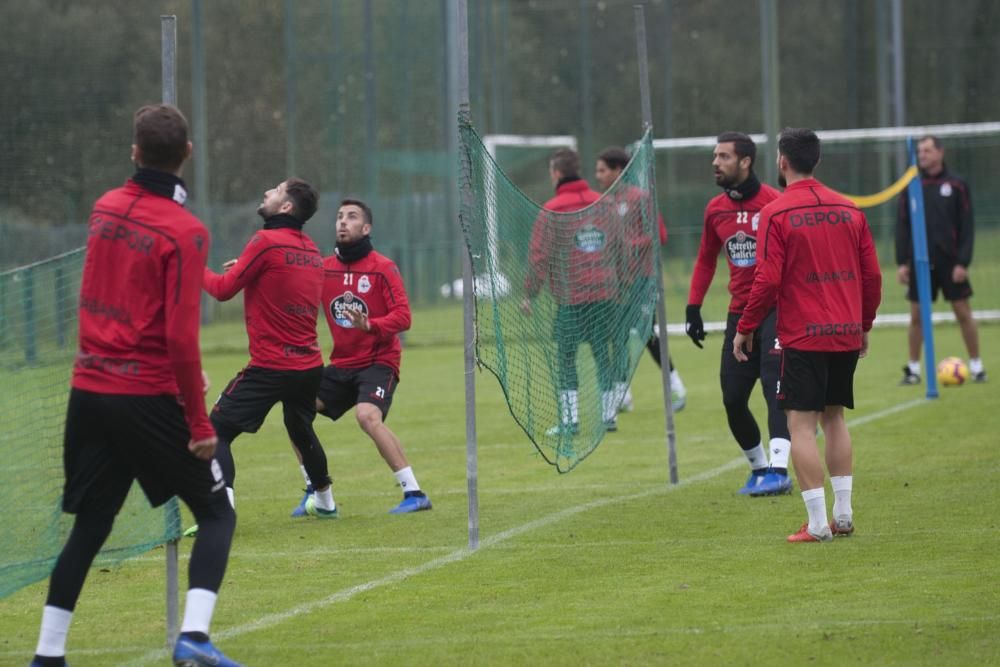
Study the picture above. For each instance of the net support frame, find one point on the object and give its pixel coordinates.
(661, 306)
(168, 68)
(921, 267)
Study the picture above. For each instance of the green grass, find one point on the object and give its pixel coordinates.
(608, 564)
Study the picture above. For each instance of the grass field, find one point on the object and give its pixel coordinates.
(608, 564)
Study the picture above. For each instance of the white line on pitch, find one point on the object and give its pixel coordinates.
(458, 555)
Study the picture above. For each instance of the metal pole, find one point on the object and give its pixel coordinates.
(898, 77)
(199, 131)
(921, 267)
(883, 102)
(371, 141)
(168, 58)
(168, 65)
(586, 107)
(769, 77)
(661, 306)
(458, 71)
(291, 156)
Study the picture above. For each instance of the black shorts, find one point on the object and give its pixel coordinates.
(343, 388)
(112, 439)
(243, 405)
(765, 352)
(940, 280)
(810, 381)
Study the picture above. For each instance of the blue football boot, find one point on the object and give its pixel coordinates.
(191, 653)
(412, 503)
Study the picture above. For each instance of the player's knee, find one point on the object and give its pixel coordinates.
(369, 416)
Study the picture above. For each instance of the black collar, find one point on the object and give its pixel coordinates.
(745, 190)
(161, 183)
(566, 179)
(282, 221)
(352, 252)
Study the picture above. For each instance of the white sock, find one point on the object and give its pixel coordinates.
(305, 475)
(815, 500)
(780, 449)
(232, 496)
(569, 406)
(198, 608)
(914, 366)
(676, 384)
(406, 479)
(52, 636)
(756, 456)
(842, 495)
(975, 365)
(609, 403)
(324, 499)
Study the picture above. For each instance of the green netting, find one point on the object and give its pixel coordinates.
(38, 339)
(564, 367)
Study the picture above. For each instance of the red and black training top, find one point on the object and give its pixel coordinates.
(818, 261)
(281, 274)
(373, 286)
(577, 256)
(731, 225)
(140, 296)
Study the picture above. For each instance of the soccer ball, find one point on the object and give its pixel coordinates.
(952, 372)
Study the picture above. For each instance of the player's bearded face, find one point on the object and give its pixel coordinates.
(351, 224)
(273, 199)
(726, 165)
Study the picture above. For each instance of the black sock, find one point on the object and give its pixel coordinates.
(414, 494)
(49, 661)
(199, 637)
(760, 471)
(780, 471)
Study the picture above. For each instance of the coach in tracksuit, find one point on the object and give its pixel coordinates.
(576, 256)
(817, 261)
(732, 226)
(281, 274)
(949, 226)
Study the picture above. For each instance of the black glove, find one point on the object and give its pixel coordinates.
(694, 327)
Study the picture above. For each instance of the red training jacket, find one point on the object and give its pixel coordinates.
(140, 301)
(281, 273)
(374, 286)
(732, 225)
(819, 261)
(575, 254)
(628, 204)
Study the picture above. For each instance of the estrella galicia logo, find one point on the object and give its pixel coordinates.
(589, 239)
(343, 303)
(742, 249)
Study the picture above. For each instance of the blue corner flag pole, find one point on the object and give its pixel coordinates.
(921, 269)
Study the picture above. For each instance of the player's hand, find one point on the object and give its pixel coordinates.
(864, 346)
(903, 274)
(959, 274)
(204, 449)
(739, 342)
(205, 382)
(358, 319)
(526, 306)
(230, 264)
(694, 326)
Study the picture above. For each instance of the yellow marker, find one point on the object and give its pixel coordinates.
(867, 201)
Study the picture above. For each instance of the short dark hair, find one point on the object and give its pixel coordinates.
(800, 146)
(614, 156)
(160, 132)
(743, 145)
(931, 138)
(304, 198)
(566, 162)
(360, 204)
